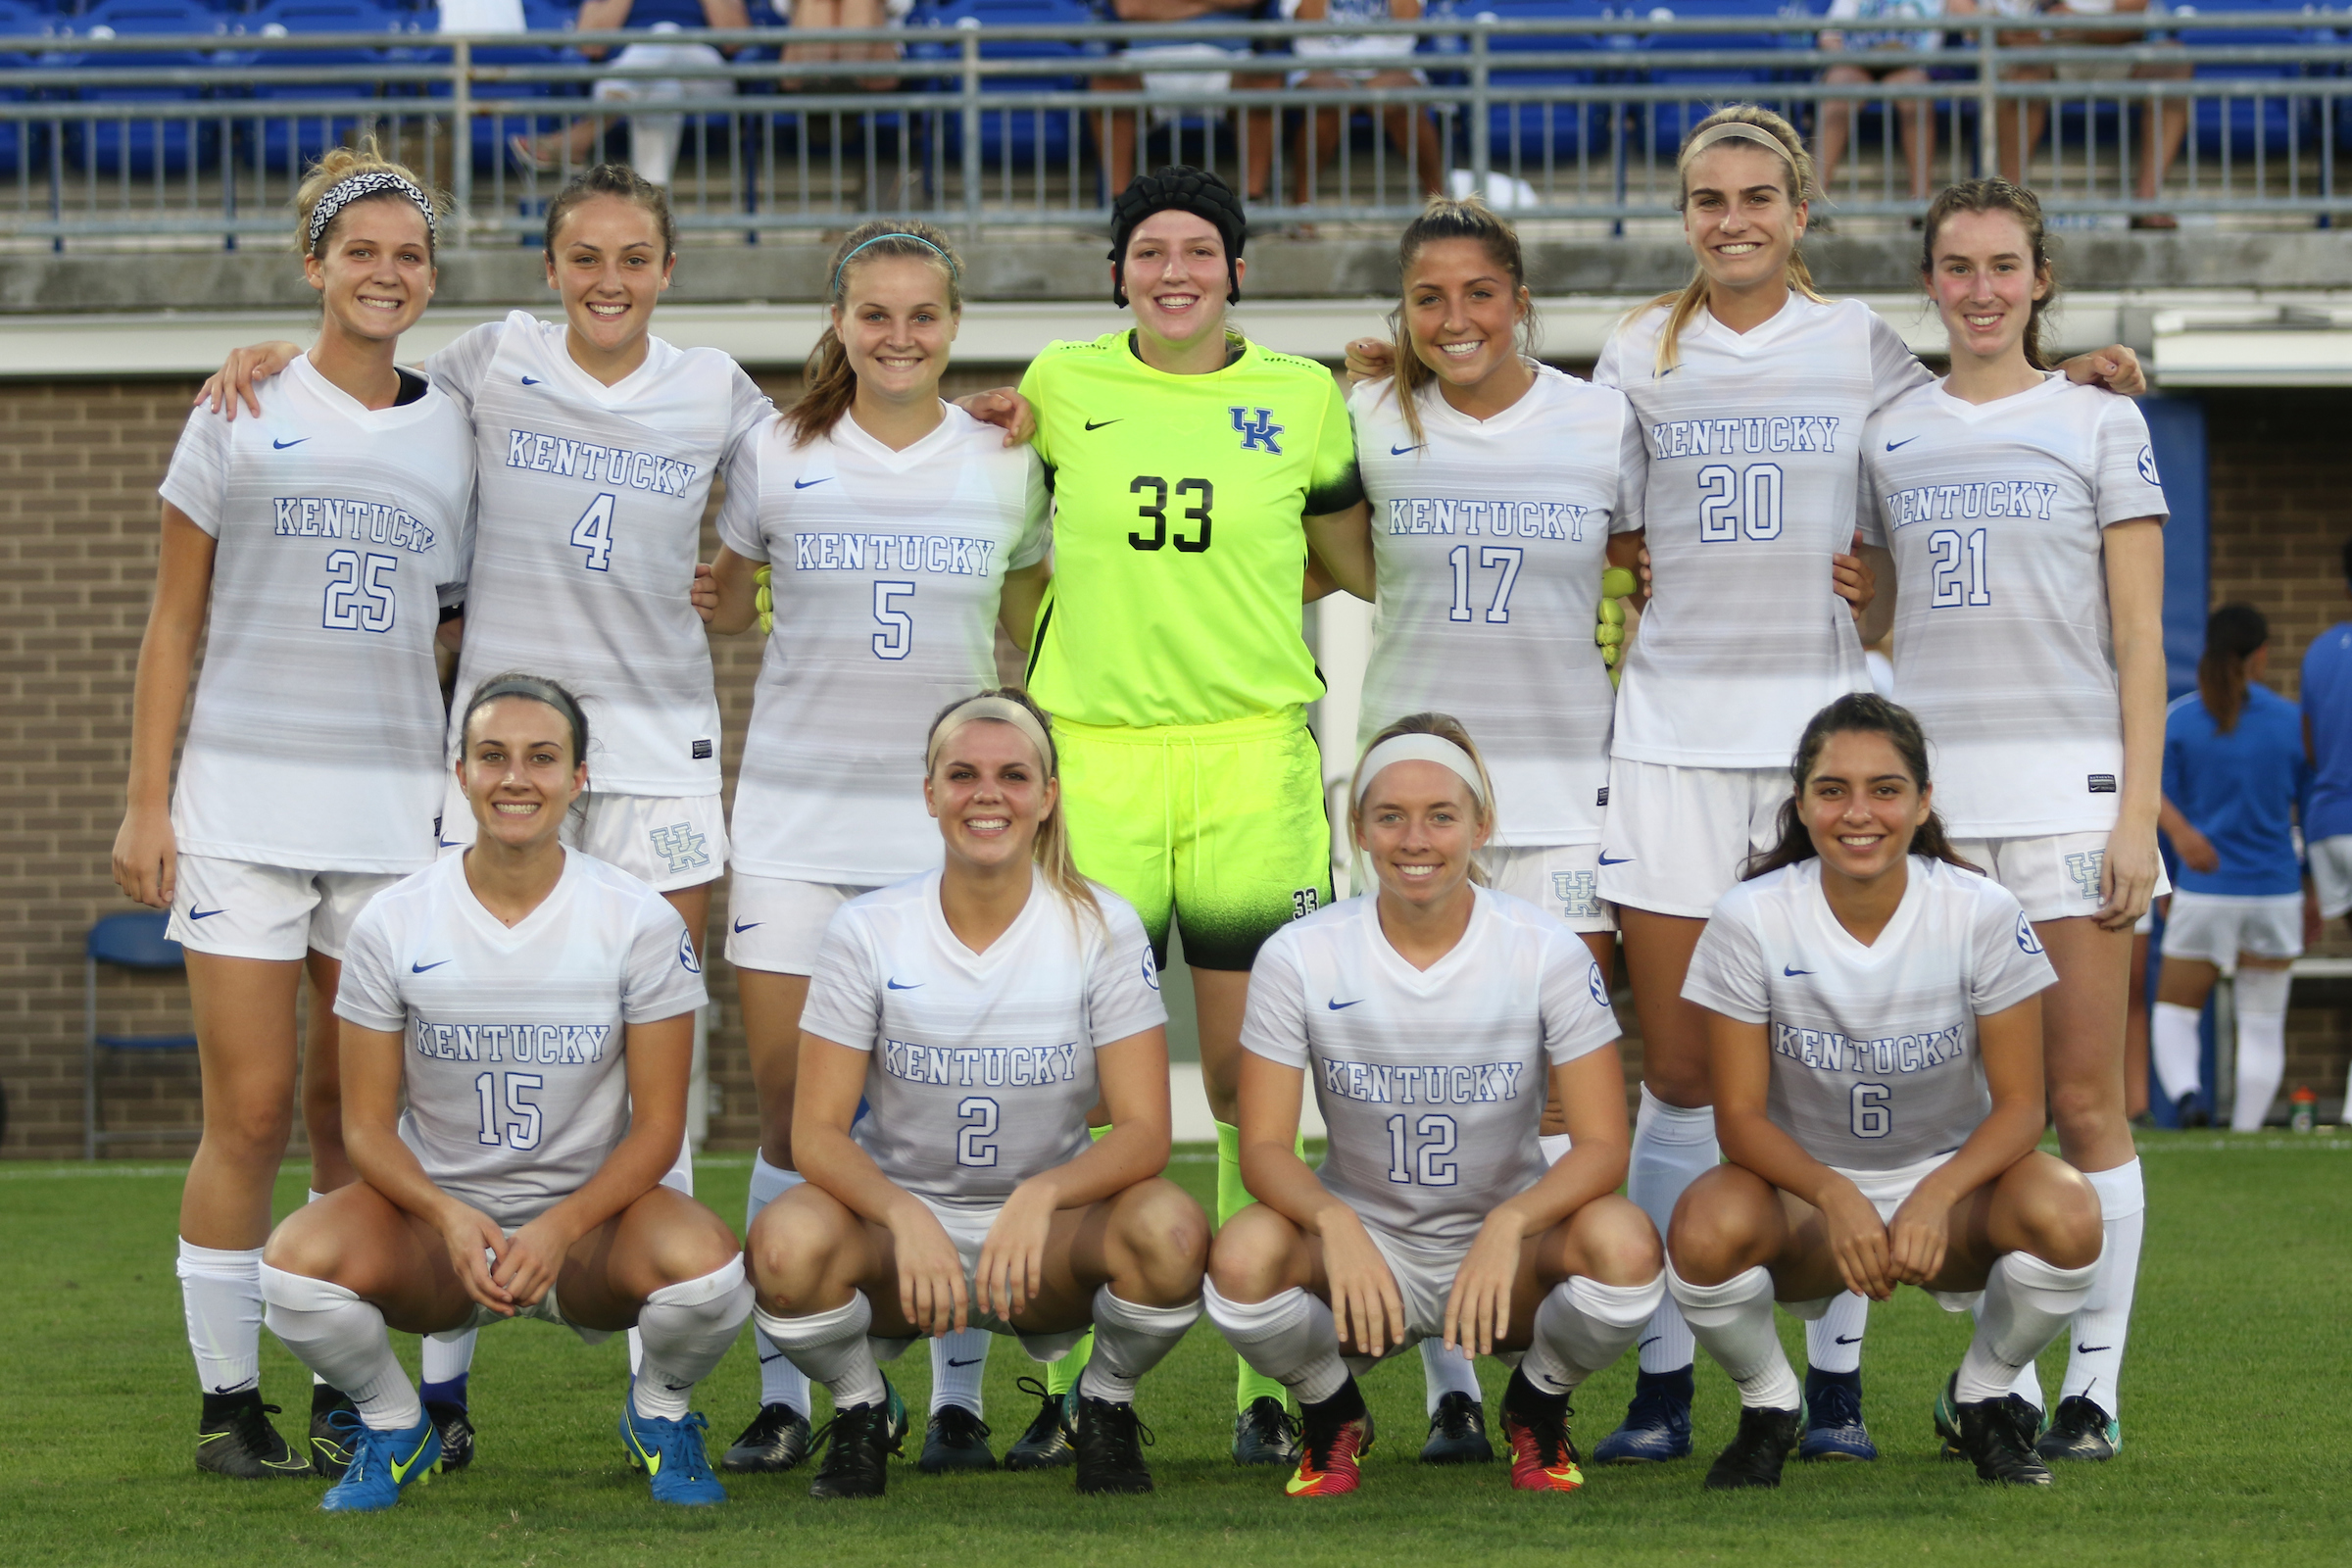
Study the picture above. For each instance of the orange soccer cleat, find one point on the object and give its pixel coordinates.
(1336, 1436)
(1544, 1457)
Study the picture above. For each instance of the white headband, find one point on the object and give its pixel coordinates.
(1417, 747)
(1002, 708)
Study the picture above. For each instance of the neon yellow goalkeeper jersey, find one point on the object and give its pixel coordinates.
(1178, 547)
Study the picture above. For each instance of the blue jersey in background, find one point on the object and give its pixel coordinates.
(2244, 791)
(2327, 709)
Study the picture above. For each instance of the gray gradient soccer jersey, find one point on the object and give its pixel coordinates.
(1997, 513)
(982, 1065)
(1756, 459)
(592, 518)
(513, 1038)
(1873, 1049)
(340, 530)
(887, 572)
(1432, 1082)
(1491, 536)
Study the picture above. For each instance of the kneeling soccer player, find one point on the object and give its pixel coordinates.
(536, 1007)
(980, 1012)
(1433, 1019)
(1875, 1037)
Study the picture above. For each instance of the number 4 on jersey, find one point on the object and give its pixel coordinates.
(593, 533)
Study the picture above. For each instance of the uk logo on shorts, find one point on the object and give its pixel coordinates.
(681, 846)
(2027, 941)
(2084, 866)
(1256, 434)
(1578, 893)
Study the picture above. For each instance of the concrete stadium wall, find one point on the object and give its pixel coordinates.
(78, 463)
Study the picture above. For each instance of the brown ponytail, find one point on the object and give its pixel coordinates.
(831, 384)
(2234, 634)
(1682, 307)
(1447, 219)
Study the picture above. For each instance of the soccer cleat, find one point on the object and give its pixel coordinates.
(777, 1440)
(1657, 1422)
(2080, 1430)
(1534, 1425)
(330, 1448)
(1833, 1428)
(856, 1462)
(2188, 1111)
(2002, 1454)
(954, 1439)
(456, 1433)
(1045, 1445)
(234, 1437)
(1457, 1432)
(1265, 1434)
(1334, 1438)
(2024, 1416)
(1110, 1439)
(382, 1466)
(1757, 1453)
(672, 1457)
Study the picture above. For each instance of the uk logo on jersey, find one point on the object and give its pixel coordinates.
(1578, 893)
(2027, 941)
(1259, 433)
(2084, 866)
(681, 846)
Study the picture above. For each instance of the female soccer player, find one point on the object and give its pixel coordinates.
(1874, 1041)
(897, 533)
(2028, 604)
(532, 1008)
(966, 1021)
(2237, 783)
(321, 541)
(1432, 1018)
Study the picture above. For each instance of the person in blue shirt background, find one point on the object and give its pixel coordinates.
(2235, 783)
(2327, 743)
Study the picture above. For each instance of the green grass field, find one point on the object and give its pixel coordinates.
(2236, 1419)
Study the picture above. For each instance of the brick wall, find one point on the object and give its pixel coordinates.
(78, 463)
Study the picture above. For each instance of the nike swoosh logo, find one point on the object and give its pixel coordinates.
(1844, 1339)
(1792, 974)
(206, 915)
(419, 968)
(974, 1361)
(232, 1387)
(1622, 859)
(453, 843)
(1399, 452)
(528, 382)
(895, 986)
(401, 1467)
(1652, 1340)
(1336, 1004)
(1904, 442)
(281, 446)
(2091, 1350)
(778, 1356)
(1104, 425)
(803, 485)
(742, 926)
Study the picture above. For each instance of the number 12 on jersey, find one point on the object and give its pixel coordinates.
(1426, 1167)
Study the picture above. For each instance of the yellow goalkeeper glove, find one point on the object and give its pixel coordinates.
(763, 598)
(1616, 587)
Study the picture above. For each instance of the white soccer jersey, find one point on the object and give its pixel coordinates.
(1432, 1081)
(1491, 536)
(592, 518)
(1997, 513)
(981, 1063)
(1755, 445)
(1873, 1049)
(340, 531)
(514, 1059)
(887, 572)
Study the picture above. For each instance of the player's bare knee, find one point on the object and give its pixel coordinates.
(248, 1130)
(1164, 1235)
(790, 1248)
(2083, 1111)
(1712, 1232)
(2065, 1221)
(306, 1243)
(1622, 1247)
(1251, 1255)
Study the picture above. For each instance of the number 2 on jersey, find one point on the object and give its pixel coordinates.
(1738, 502)
(1498, 608)
(1428, 1165)
(1949, 551)
(593, 533)
(975, 1119)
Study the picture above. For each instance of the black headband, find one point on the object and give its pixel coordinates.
(1179, 187)
(537, 689)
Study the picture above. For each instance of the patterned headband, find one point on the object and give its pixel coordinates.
(360, 186)
(953, 268)
(1005, 711)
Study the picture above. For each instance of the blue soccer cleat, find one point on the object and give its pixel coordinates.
(382, 1464)
(1833, 1428)
(1657, 1422)
(671, 1453)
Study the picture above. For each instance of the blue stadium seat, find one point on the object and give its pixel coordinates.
(1748, 24)
(145, 140)
(2234, 127)
(282, 142)
(1524, 134)
(134, 940)
(1022, 134)
(22, 29)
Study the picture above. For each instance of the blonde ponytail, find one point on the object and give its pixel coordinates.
(1684, 305)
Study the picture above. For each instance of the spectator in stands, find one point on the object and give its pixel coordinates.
(841, 13)
(642, 73)
(1903, 25)
(2163, 128)
(1118, 136)
(2327, 743)
(1409, 128)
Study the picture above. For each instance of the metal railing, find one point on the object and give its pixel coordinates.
(159, 141)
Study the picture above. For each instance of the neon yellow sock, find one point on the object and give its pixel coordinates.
(1062, 1376)
(1249, 1386)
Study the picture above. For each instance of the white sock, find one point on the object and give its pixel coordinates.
(2028, 1303)
(832, 1349)
(1833, 1339)
(2173, 1042)
(2261, 1045)
(222, 1297)
(1129, 1342)
(2105, 1321)
(687, 1327)
(447, 1360)
(309, 1195)
(343, 1341)
(1445, 1372)
(958, 1363)
(1290, 1336)
(780, 1382)
(1734, 1321)
(1582, 1326)
(1672, 1149)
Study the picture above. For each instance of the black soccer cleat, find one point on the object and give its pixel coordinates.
(856, 1462)
(1265, 1434)
(1045, 1445)
(457, 1434)
(2022, 1414)
(2080, 1429)
(2188, 1111)
(1757, 1454)
(954, 1439)
(2001, 1453)
(1457, 1432)
(776, 1441)
(1110, 1439)
(234, 1437)
(331, 1442)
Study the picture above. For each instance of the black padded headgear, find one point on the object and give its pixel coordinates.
(1183, 188)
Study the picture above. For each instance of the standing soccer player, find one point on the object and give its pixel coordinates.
(2326, 698)
(2027, 522)
(321, 541)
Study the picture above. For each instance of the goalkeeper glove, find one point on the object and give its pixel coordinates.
(1616, 587)
(763, 598)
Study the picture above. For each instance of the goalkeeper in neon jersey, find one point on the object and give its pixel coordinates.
(1191, 471)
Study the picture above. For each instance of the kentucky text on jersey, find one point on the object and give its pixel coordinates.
(1381, 1083)
(552, 1045)
(598, 464)
(990, 1067)
(1503, 520)
(332, 518)
(1999, 498)
(1723, 438)
(954, 555)
(1830, 1051)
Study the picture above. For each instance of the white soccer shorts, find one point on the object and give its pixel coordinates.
(776, 924)
(2332, 873)
(1560, 879)
(967, 1228)
(1675, 839)
(2219, 926)
(237, 910)
(1424, 1278)
(2055, 875)
(666, 842)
